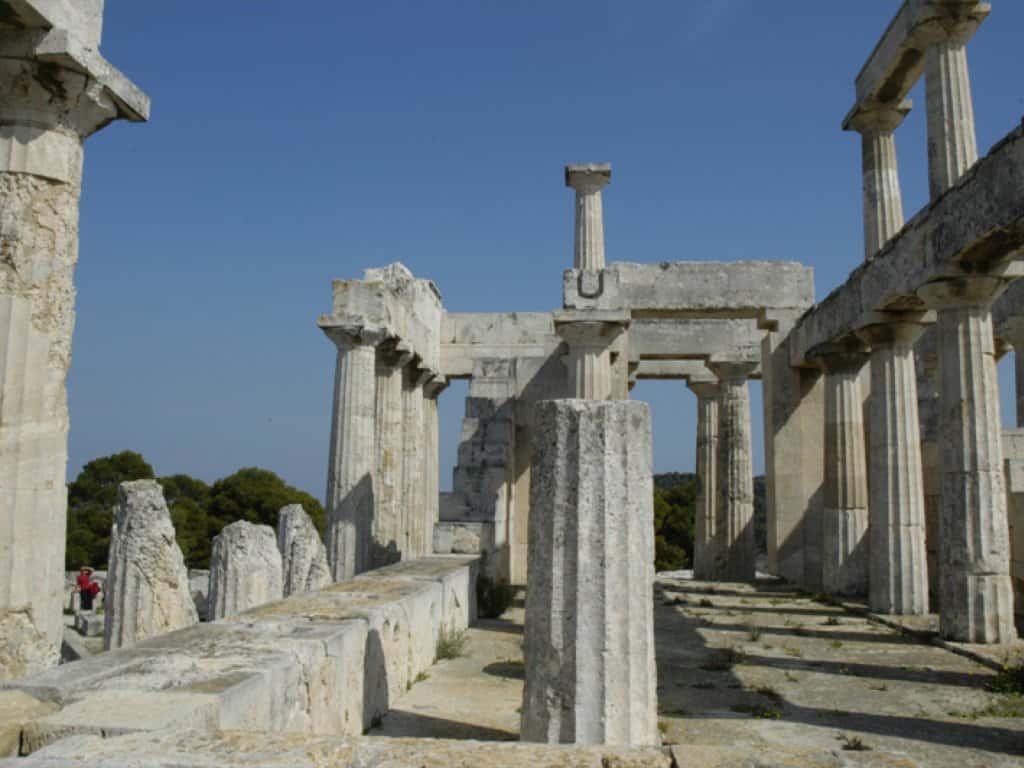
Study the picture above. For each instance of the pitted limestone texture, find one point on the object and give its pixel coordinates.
(147, 583)
(245, 569)
(303, 554)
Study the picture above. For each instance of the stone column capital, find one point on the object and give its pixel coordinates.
(588, 178)
(958, 292)
(877, 117)
(897, 332)
(704, 389)
(347, 335)
(591, 330)
(732, 371)
(847, 356)
(435, 386)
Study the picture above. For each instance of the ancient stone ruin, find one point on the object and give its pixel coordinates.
(895, 499)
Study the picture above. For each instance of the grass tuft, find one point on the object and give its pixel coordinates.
(451, 644)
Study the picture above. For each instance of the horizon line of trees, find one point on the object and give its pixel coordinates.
(198, 510)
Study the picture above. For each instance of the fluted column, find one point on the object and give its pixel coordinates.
(926, 353)
(845, 522)
(705, 540)
(589, 640)
(432, 470)
(898, 570)
(414, 464)
(952, 143)
(589, 339)
(588, 180)
(883, 201)
(352, 466)
(734, 528)
(51, 100)
(976, 604)
(387, 520)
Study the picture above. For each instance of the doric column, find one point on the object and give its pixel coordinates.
(352, 465)
(897, 571)
(734, 528)
(432, 471)
(414, 463)
(387, 521)
(56, 91)
(883, 202)
(589, 646)
(952, 143)
(845, 523)
(589, 336)
(926, 353)
(704, 540)
(976, 603)
(588, 180)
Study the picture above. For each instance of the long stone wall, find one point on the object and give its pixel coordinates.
(328, 662)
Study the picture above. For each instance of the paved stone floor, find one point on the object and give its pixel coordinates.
(754, 666)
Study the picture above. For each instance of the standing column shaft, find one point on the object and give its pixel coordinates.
(46, 111)
(707, 496)
(845, 523)
(589, 359)
(589, 647)
(898, 570)
(734, 528)
(883, 201)
(976, 604)
(352, 466)
(432, 470)
(413, 464)
(390, 454)
(952, 143)
(588, 181)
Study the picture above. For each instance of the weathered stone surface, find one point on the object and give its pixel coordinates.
(588, 180)
(88, 623)
(590, 336)
(245, 569)
(199, 588)
(589, 648)
(706, 538)
(303, 555)
(952, 145)
(147, 590)
(16, 710)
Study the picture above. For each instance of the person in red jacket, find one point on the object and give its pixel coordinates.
(87, 588)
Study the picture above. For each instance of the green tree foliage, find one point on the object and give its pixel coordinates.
(199, 511)
(91, 499)
(674, 507)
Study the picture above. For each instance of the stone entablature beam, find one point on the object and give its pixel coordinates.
(693, 289)
(898, 61)
(976, 227)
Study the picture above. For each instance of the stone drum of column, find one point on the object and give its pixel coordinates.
(245, 569)
(147, 589)
(589, 649)
(303, 554)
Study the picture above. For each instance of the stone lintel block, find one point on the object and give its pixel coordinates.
(693, 289)
(897, 61)
(589, 649)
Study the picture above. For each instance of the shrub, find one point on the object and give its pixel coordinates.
(493, 596)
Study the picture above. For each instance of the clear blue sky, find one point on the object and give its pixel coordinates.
(296, 142)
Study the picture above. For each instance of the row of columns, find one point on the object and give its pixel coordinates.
(975, 600)
(382, 481)
(724, 528)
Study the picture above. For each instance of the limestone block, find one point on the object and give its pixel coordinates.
(589, 648)
(16, 710)
(199, 587)
(469, 538)
(88, 623)
(245, 569)
(147, 590)
(303, 554)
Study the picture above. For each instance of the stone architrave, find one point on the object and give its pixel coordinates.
(735, 556)
(588, 180)
(55, 91)
(844, 561)
(352, 464)
(147, 587)
(883, 202)
(245, 569)
(705, 539)
(976, 599)
(589, 336)
(388, 520)
(303, 554)
(952, 142)
(589, 648)
(898, 562)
